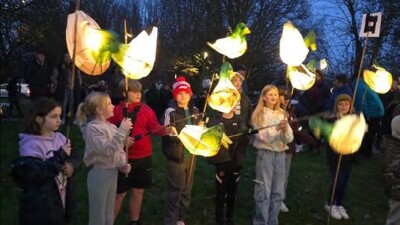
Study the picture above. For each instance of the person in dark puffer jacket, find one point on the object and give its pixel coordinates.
(179, 163)
(228, 164)
(391, 159)
(44, 168)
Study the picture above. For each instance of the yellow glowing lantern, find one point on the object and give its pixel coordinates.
(345, 135)
(138, 59)
(234, 45)
(199, 140)
(323, 64)
(90, 54)
(301, 77)
(379, 81)
(293, 51)
(224, 96)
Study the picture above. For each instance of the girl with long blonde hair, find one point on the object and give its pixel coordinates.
(271, 142)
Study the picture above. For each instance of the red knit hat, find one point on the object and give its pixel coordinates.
(181, 85)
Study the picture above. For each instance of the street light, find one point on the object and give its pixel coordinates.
(205, 55)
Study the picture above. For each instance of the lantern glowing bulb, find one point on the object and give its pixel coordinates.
(234, 45)
(199, 140)
(224, 96)
(292, 49)
(344, 135)
(91, 48)
(138, 59)
(323, 64)
(379, 81)
(301, 77)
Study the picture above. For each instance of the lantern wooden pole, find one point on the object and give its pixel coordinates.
(351, 110)
(359, 73)
(71, 96)
(193, 157)
(126, 97)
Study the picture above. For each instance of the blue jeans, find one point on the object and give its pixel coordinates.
(341, 183)
(269, 186)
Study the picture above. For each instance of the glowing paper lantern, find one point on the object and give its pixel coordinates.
(323, 64)
(379, 81)
(300, 77)
(234, 45)
(138, 59)
(199, 140)
(345, 135)
(292, 49)
(224, 96)
(91, 46)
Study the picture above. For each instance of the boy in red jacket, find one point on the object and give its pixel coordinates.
(139, 153)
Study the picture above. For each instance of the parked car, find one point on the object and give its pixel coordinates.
(24, 90)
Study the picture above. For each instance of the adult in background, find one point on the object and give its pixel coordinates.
(368, 102)
(342, 86)
(14, 91)
(62, 80)
(317, 96)
(153, 98)
(391, 159)
(37, 75)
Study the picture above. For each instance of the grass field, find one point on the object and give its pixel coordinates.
(365, 198)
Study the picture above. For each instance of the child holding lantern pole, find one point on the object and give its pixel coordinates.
(228, 164)
(336, 210)
(271, 142)
(179, 163)
(139, 153)
(104, 154)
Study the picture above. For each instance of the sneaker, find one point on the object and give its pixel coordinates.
(284, 208)
(180, 223)
(343, 212)
(334, 212)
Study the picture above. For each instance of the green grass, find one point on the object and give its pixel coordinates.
(365, 198)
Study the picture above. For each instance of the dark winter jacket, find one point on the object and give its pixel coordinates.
(40, 201)
(172, 146)
(245, 109)
(332, 157)
(391, 159)
(236, 150)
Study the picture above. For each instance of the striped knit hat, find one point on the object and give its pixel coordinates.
(181, 85)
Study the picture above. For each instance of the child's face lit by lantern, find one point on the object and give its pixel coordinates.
(237, 82)
(134, 97)
(182, 99)
(343, 107)
(271, 98)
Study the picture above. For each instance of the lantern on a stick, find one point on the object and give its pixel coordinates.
(292, 48)
(379, 81)
(344, 135)
(225, 96)
(93, 46)
(138, 58)
(199, 140)
(234, 45)
(300, 77)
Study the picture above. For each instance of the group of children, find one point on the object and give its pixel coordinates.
(118, 153)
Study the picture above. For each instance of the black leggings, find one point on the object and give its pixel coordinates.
(226, 180)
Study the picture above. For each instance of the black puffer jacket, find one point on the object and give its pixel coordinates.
(236, 151)
(391, 172)
(40, 201)
(172, 146)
